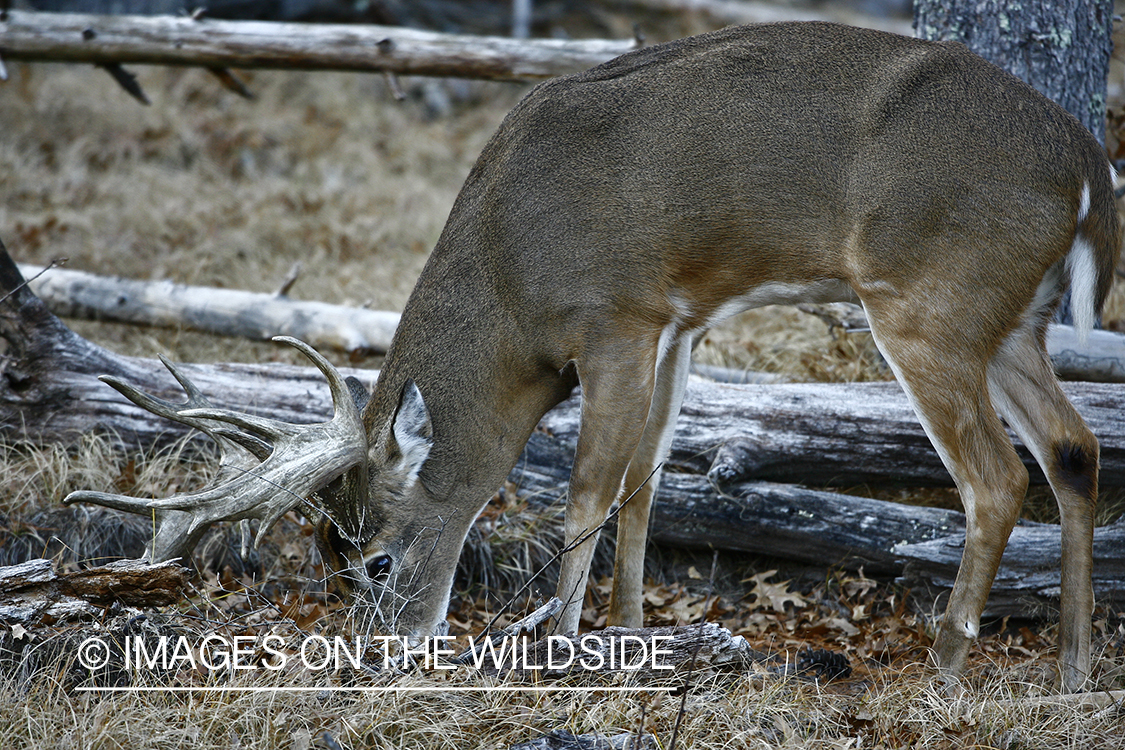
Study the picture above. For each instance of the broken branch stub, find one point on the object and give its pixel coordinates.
(269, 467)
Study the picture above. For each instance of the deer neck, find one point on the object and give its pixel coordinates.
(485, 392)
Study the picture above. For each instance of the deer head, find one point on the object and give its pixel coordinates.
(620, 212)
(325, 471)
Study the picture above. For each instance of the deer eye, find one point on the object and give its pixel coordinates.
(378, 567)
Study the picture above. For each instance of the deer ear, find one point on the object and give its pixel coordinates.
(412, 430)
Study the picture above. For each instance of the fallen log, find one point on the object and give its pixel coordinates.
(839, 434)
(642, 654)
(32, 590)
(847, 532)
(1101, 358)
(49, 391)
(814, 434)
(227, 312)
(232, 312)
(172, 40)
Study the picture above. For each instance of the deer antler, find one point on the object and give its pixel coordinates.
(267, 467)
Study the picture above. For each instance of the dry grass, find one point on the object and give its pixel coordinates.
(327, 170)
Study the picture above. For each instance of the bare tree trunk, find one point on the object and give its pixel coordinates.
(1061, 47)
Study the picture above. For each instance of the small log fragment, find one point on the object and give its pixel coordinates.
(561, 739)
(32, 590)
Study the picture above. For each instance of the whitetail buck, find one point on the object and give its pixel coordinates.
(619, 213)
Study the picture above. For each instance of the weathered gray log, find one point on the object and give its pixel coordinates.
(816, 434)
(839, 434)
(1101, 358)
(842, 531)
(32, 590)
(167, 40)
(1028, 582)
(228, 312)
(49, 391)
(764, 518)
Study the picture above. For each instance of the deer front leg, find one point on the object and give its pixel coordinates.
(625, 603)
(616, 399)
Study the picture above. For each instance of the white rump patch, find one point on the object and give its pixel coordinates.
(1083, 286)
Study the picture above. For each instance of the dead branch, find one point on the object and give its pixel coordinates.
(167, 40)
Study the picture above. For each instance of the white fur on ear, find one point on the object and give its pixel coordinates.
(412, 430)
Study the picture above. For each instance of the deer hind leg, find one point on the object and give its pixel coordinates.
(617, 390)
(641, 480)
(946, 383)
(1025, 391)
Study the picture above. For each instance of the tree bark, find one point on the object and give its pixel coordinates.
(166, 40)
(227, 312)
(1061, 47)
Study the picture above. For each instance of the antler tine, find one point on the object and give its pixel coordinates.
(183, 413)
(301, 461)
(263, 426)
